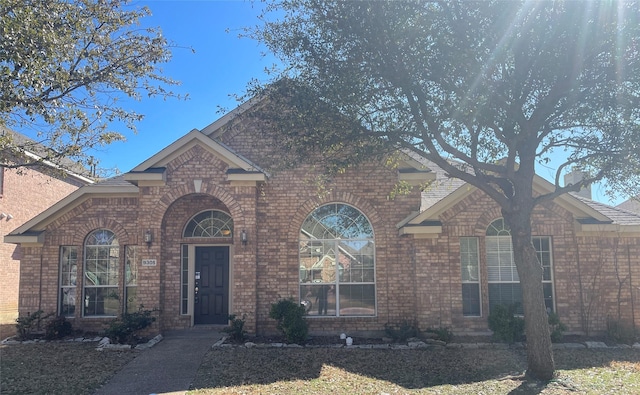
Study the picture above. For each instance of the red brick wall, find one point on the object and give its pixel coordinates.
(416, 278)
(39, 284)
(585, 278)
(289, 197)
(26, 193)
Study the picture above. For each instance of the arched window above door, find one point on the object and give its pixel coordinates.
(210, 223)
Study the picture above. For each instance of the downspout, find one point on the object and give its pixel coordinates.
(633, 314)
(583, 319)
(40, 279)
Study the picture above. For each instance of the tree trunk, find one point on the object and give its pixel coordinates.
(539, 352)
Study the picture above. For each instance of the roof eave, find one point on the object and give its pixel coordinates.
(32, 239)
(40, 221)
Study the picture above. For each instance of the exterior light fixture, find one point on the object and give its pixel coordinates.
(148, 237)
(243, 237)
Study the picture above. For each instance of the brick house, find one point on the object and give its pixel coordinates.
(24, 193)
(202, 229)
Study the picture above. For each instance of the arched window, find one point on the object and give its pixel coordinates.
(337, 262)
(211, 223)
(101, 264)
(504, 283)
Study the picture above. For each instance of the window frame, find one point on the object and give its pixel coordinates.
(333, 251)
(467, 242)
(112, 287)
(225, 231)
(66, 287)
(502, 233)
(131, 270)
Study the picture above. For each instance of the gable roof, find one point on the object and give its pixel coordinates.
(446, 192)
(32, 230)
(153, 169)
(632, 205)
(150, 172)
(38, 152)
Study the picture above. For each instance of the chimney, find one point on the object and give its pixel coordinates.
(574, 177)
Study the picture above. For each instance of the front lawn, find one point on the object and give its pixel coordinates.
(423, 371)
(77, 368)
(57, 367)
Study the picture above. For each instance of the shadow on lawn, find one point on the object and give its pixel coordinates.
(410, 369)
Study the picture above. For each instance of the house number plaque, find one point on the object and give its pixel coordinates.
(149, 262)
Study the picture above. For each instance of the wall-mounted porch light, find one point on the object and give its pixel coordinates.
(148, 237)
(243, 237)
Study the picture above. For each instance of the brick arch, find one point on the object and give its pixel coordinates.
(92, 224)
(485, 220)
(342, 197)
(193, 203)
(208, 189)
(556, 209)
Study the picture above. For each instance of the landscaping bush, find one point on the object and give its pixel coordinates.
(27, 326)
(58, 328)
(505, 324)
(236, 330)
(621, 332)
(401, 331)
(124, 330)
(291, 321)
(556, 328)
(442, 333)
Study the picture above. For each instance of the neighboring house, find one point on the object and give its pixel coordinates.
(24, 193)
(201, 230)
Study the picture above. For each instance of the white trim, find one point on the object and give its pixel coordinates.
(40, 221)
(190, 140)
(214, 127)
(58, 167)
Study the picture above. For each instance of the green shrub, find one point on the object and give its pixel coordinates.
(442, 333)
(620, 331)
(505, 324)
(236, 330)
(27, 326)
(291, 321)
(124, 330)
(556, 328)
(57, 328)
(402, 331)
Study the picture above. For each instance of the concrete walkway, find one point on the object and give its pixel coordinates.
(169, 367)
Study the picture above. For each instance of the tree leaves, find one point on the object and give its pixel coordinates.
(474, 81)
(65, 64)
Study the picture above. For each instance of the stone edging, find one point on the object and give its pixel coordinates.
(104, 343)
(418, 344)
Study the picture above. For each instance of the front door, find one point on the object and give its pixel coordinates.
(211, 302)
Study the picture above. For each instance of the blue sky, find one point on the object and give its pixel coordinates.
(221, 66)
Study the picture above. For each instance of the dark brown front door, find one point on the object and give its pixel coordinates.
(211, 303)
